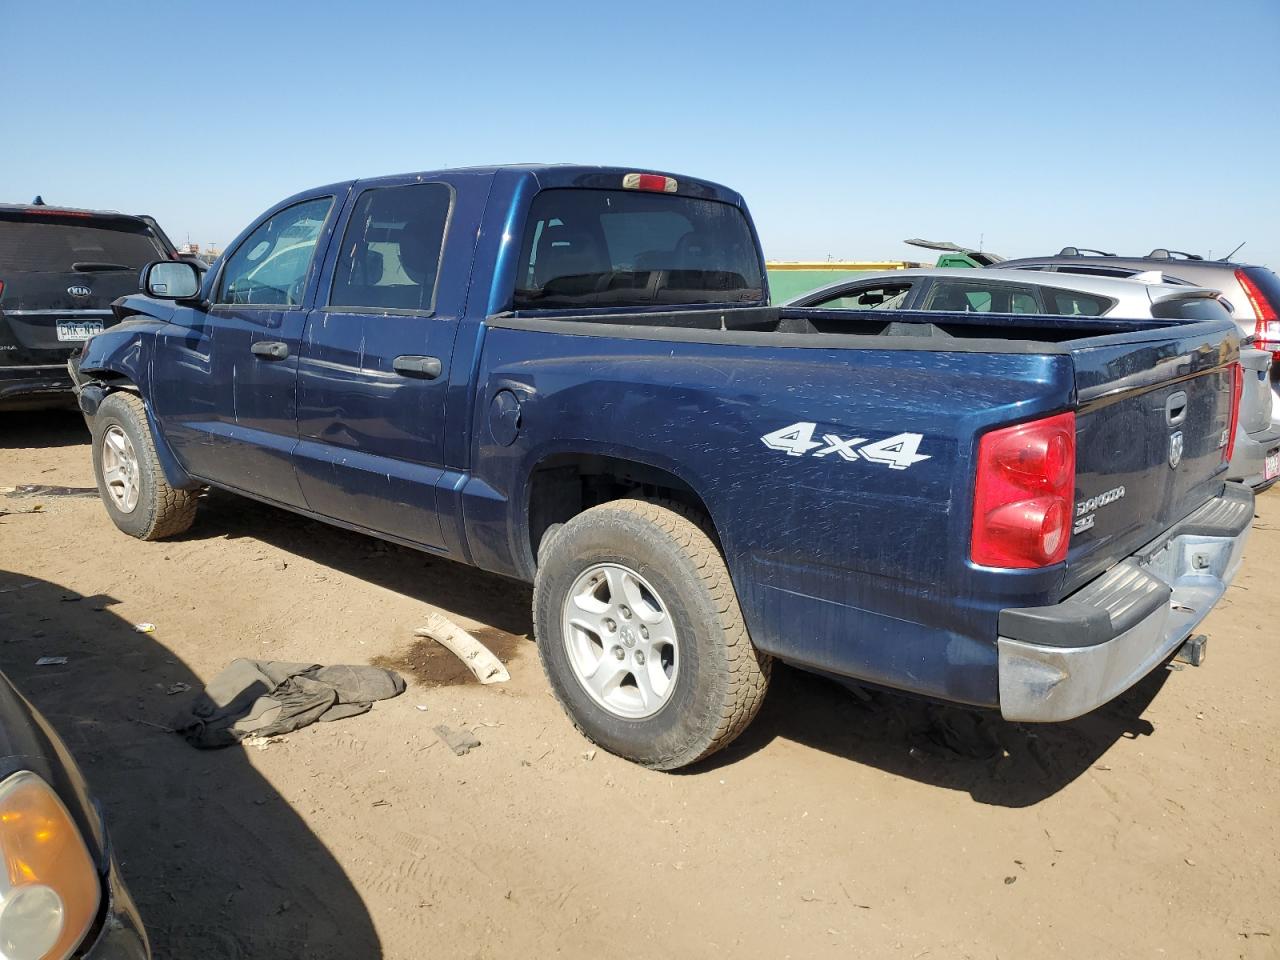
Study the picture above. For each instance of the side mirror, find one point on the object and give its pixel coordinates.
(171, 280)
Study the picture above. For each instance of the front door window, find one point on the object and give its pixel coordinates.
(270, 267)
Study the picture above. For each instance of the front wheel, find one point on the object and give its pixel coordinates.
(641, 636)
(131, 482)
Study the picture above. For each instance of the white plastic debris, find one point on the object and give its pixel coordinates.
(51, 661)
(478, 658)
(144, 627)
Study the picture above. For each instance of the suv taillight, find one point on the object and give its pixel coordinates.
(1023, 494)
(1266, 323)
(1237, 391)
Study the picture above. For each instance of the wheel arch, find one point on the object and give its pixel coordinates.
(563, 484)
(97, 385)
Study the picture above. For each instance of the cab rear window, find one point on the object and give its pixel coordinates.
(621, 248)
(54, 245)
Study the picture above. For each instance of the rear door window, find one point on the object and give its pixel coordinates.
(878, 296)
(36, 244)
(390, 255)
(1072, 303)
(270, 267)
(967, 296)
(619, 248)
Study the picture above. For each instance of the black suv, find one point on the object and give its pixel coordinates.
(59, 272)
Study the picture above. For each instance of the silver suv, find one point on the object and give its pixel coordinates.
(1256, 457)
(1252, 292)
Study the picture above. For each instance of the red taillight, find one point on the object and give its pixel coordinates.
(650, 181)
(43, 211)
(1026, 480)
(1266, 324)
(1237, 390)
(1, 288)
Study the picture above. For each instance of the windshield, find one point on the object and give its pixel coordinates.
(36, 245)
(622, 248)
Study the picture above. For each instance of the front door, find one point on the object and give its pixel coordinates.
(247, 339)
(374, 372)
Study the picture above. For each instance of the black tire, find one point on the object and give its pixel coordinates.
(161, 510)
(722, 678)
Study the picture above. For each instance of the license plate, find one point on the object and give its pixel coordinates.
(77, 330)
(1271, 468)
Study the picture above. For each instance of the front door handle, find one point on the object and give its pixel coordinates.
(270, 349)
(425, 368)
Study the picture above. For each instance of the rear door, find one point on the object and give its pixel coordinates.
(376, 355)
(59, 272)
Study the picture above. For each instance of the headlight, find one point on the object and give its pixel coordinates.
(49, 891)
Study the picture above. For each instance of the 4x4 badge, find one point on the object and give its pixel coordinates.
(1175, 449)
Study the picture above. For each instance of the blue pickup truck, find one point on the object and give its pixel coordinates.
(571, 376)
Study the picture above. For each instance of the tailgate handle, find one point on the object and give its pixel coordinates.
(270, 349)
(1175, 408)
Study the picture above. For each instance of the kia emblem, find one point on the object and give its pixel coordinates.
(1175, 449)
(78, 290)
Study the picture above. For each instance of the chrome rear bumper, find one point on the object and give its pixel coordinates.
(1060, 662)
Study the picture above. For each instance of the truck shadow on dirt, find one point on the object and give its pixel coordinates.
(505, 605)
(42, 429)
(997, 762)
(221, 865)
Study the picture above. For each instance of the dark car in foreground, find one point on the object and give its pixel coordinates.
(60, 269)
(61, 895)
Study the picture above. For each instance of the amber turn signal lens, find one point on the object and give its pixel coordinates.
(50, 890)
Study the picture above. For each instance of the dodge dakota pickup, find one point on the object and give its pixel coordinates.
(571, 376)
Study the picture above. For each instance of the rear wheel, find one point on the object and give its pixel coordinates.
(641, 636)
(131, 482)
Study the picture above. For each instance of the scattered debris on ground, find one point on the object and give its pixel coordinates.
(38, 508)
(265, 698)
(478, 658)
(460, 742)
(41, 490)
(51, 661)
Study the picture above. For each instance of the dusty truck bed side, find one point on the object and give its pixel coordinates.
(851, 567)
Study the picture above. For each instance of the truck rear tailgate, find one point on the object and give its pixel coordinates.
(1153, 421)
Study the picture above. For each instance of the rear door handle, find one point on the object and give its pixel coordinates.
(270, 349)
(425, 368)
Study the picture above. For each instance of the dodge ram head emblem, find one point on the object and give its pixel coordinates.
(1175, 449)
(76, 290)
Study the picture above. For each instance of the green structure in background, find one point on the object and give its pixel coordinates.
(788, 280)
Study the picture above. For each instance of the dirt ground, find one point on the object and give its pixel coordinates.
(836, 826)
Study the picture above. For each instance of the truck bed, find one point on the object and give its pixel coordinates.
(849, 566)
(792, 326)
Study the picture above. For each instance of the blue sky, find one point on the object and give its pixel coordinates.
(848, 126)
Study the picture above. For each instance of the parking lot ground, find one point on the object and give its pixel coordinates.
(836, 826)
